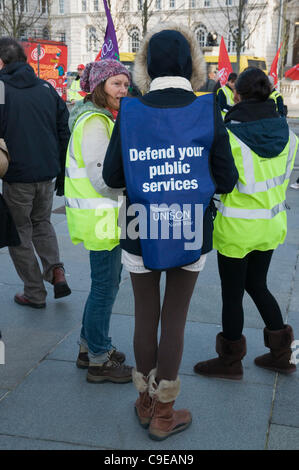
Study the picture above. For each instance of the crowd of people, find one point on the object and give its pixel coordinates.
(133, 172)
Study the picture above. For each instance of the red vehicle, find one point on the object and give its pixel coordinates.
(49, 61)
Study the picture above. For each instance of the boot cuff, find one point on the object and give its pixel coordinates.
(279, 339)
(225, 347)
(140, 381)
(167, 390)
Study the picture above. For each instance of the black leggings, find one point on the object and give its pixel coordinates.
(250, 274)
(167, 354)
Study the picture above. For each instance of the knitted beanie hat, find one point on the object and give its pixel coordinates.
(97, 72)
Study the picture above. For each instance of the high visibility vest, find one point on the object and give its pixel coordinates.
(73, 92)
(253, 215)
(91, 218)
(274, 95)
(165, 155)
(229, 94)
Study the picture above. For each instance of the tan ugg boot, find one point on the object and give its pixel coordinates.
(143, 404)
(165, 420)
(229, 363)
(278, 359)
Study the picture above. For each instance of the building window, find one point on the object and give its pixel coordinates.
(91, 39)
(62, 37)
(139, 5)
(228, 2)
(158, 5)
(84, 5)
(126, 5)
(96, 5)
(43, 6)
(171, 3)
(22, 6)
(46, 34)
(61, 6)
(231, 44)
(134, 40)
(2, 4)
(207, 3)
(201, 35)
(192, 3)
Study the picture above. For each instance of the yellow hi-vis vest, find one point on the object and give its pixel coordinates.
(274, 95)
(91, 218)
(253, 215)
(229, 94)
(73, 92)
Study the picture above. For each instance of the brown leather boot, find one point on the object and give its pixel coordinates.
(278, 359)
(228, 365)
(61, 288)
(165, 420)
(143, 404)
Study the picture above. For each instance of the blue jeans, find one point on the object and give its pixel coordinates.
(105, 276)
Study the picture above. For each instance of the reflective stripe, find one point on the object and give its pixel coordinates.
(251, 213)
(255, 187)
(76, 173)
(96, 203)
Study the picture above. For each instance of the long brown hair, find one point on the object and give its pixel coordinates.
(98, 96)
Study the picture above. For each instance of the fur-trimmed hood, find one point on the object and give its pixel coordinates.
(141, 76)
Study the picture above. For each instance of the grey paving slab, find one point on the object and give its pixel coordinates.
(286, 410)
(283, 438)
(2, 391)
(102, 415)
(29, 334)
(21, 443)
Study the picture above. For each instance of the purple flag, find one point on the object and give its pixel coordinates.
(110, 47)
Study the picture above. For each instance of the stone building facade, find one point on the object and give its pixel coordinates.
(81, 24)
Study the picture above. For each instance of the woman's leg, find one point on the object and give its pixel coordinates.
(105, 277)
(232, 273)
(256, 286)
(146, 289)
(179, 289)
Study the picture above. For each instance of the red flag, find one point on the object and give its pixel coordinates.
(273, 70)
(224, 65)
(293, 73)
(98, 57)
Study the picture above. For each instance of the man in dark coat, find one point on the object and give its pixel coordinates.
(34, 125)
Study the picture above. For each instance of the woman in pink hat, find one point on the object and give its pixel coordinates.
(92, 211)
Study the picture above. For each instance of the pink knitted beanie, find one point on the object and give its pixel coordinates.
(97, 72)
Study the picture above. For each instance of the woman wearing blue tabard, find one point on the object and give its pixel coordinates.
(170, 147)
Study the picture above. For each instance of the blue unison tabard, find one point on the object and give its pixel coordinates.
(166, 163)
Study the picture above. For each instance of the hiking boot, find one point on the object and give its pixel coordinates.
(61, 288)
(109, 371)
(279, 358)
(229, 363)
(22, 300)
(83, 359)
(166, 421)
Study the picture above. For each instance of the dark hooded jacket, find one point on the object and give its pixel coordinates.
(34, 125)
(259, 126)
(223, 169)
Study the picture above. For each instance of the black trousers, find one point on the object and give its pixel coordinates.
(250, 274)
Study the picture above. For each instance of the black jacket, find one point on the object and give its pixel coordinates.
(34, 125)
(222, 165)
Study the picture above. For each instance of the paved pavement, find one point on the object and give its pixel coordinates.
(46, 403)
